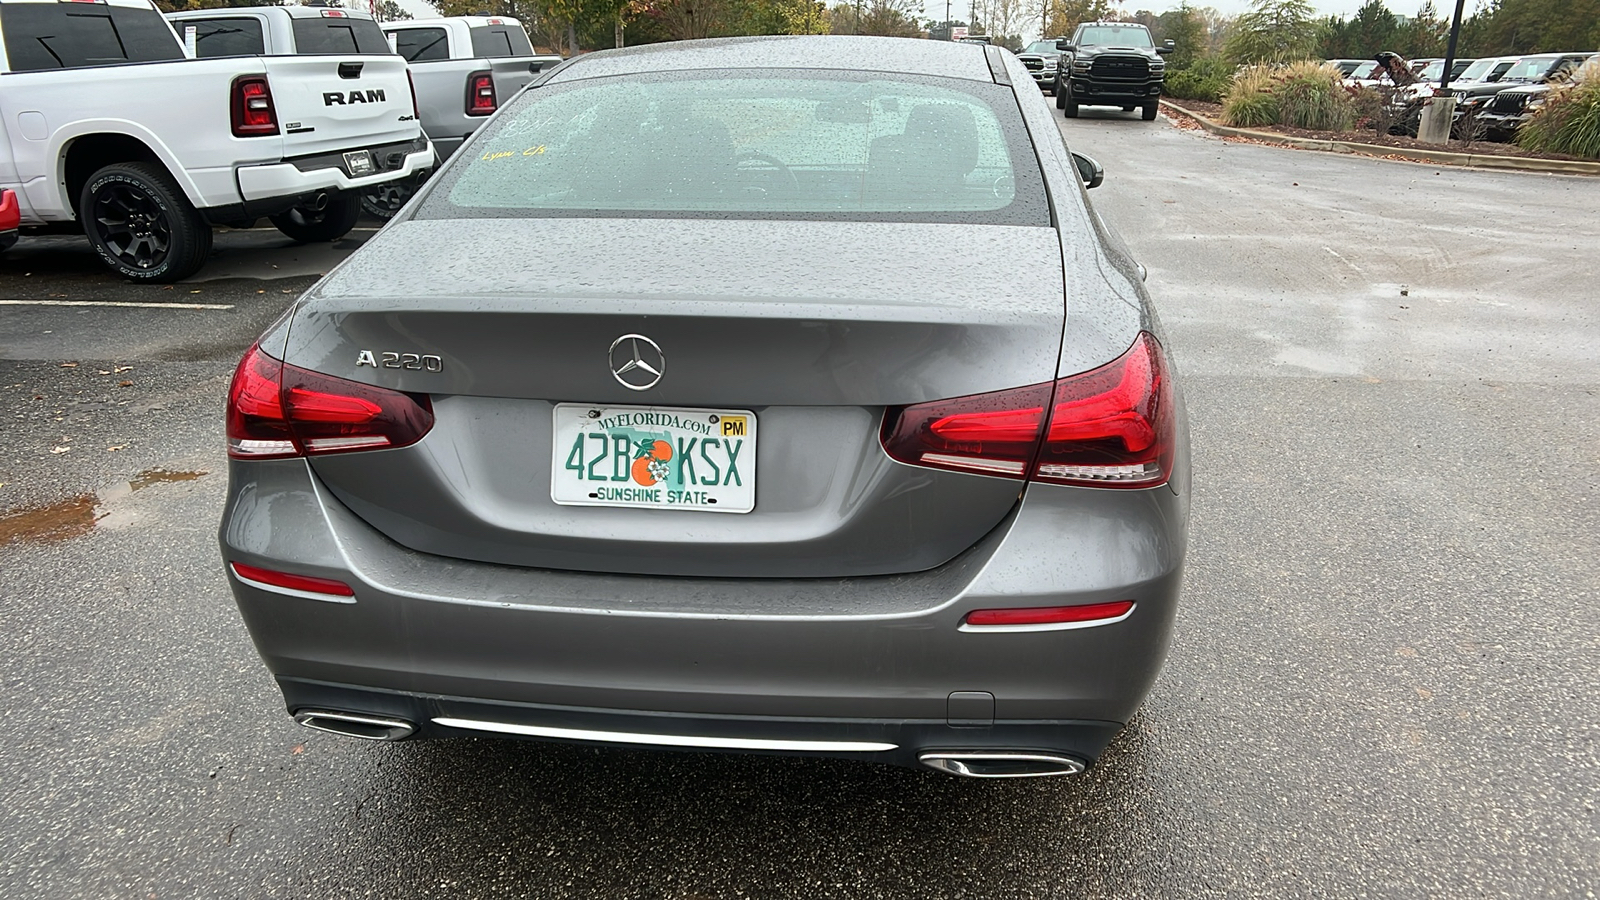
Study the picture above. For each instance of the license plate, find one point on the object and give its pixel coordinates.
(359, 162)
(654, 458)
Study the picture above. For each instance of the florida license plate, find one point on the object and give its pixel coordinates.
(654, 457)
(359, 163)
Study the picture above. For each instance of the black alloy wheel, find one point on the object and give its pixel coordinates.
(384, 200)
(142, 225)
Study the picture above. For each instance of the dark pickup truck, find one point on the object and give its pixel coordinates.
(1111, 64)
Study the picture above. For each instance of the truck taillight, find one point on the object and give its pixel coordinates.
(10, 211)
(253, 115)
(480, 94)
(1114, 426)
(276, 410)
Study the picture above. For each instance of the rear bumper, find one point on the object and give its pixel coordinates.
(892, 741)
(1092, 93)
(863, 659)
(326, 173)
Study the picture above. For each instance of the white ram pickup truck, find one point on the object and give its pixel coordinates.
(464, 67)
(106, 123)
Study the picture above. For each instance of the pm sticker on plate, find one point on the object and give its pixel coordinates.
(654, 457)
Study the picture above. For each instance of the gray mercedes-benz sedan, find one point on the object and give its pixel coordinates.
(777, 395)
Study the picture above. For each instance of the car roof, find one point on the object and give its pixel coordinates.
(855, 53)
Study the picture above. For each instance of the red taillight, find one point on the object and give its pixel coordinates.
(293, 582)
(1080, 616)
(480, 94)
(10, 211)
(1108, 427)
(277, 410)
(253, 115)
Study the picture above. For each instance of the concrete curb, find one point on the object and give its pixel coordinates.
(1475, 160)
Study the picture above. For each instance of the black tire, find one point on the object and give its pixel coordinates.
(1070, 110)
(334, 221)
(1050, 89)
(8, 239)
(1150, 111)
(141, 224)
(1061, 95)
(382, 201)
(1129, 108)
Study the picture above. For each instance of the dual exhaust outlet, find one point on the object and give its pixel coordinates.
(966, 763)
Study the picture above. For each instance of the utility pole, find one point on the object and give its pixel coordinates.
(947, 20)
(1434, 126)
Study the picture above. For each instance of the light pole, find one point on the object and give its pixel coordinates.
(947, 20)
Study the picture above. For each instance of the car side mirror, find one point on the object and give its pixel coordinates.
(1163, 50)
(1089, 170)
(1169, 42)
(1066, 46)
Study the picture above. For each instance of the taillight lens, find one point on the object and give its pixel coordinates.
(1109, 427)
(10, 211)
(480, 94)
(277, 410)
(253, 114)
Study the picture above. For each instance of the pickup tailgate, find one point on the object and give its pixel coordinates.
(328, 103)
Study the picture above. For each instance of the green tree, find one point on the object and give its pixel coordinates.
(890, 18)
(1273, 31)
(1066, 15)
(1187, 32)
(1373, 29)
(1426, 34)
(390, 11)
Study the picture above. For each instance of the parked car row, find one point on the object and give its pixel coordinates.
(298, 113)
(1494, 96)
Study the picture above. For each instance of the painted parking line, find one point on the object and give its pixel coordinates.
(116, 303)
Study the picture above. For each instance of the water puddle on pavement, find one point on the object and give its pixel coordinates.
(78, 515)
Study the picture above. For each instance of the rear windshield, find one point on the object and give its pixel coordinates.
(500, 41)
(225, 37)
(421, 44)
(339, 35)
(1114, 36)
(810, 144)
(73, 35)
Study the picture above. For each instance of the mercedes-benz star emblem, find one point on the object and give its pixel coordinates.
(637, 362)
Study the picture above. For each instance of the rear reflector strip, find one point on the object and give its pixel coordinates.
(305, 586)
(1048, 618)
(666, 740)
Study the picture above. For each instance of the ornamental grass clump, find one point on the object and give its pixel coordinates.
(1250, 100)
(1299, 95)
(1569, 119)
(1310, 95)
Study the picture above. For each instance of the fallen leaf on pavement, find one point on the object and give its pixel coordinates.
(120, 368)
(69, 365)
(59, 449)
(115, 447)
(124, 384)
(102, 371)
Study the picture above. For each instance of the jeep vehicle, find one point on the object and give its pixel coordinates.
(1111, 64)
(1042, 60)
(1543, 68)
(1503, 114)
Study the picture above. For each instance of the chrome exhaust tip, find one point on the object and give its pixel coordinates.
(321, 202)
(371, 728)
(1001, 763)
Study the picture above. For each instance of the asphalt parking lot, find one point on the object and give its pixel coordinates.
(1382, 682)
